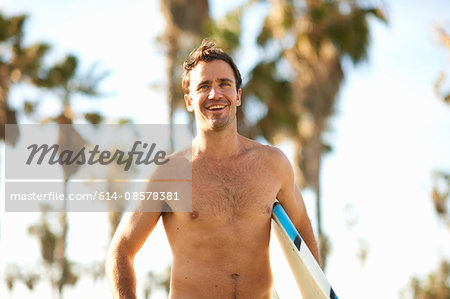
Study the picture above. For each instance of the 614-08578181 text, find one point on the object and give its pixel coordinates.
(147, 195)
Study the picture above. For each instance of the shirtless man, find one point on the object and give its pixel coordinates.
(221, 248)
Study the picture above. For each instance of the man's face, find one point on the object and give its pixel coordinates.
(212, 95)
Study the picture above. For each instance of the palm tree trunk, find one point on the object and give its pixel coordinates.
(61, 252)
(316, 159)
(172, 50)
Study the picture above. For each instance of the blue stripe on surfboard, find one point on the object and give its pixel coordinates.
(287, 224)
(292, 232)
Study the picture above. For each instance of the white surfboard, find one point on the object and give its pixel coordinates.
(310, 278)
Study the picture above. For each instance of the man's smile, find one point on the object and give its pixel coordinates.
(216, 107)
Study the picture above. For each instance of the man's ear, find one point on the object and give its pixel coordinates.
(238, 97)
(189, 103)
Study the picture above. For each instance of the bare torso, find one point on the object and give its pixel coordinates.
(221, 249)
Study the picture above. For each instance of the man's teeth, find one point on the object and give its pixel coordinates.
(216, 107)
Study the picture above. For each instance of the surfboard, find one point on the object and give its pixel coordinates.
(310, 278)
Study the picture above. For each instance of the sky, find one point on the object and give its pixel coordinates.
(389, 134)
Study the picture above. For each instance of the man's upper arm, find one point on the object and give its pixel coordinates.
(136, 226)
(292, 201)
(133, 230)
(289, 195)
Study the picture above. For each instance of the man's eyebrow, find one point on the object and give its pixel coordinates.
(224, 80)
(208, 82)
(204, 82)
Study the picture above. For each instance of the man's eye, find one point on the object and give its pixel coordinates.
(203, 87)
(225, 84)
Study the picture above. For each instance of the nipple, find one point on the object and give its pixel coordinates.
(194, 215)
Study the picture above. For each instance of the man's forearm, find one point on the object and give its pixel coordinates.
(120, 275)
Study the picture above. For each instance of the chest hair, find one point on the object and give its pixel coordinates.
(230, 188)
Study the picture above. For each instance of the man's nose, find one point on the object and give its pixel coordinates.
(214, 93)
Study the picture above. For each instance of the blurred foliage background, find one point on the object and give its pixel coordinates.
(297, 78)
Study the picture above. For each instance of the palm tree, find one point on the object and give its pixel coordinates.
(436, 284)
(18, 64)
(21, 64)
(185, 23)
(312, 38)
(63, 78)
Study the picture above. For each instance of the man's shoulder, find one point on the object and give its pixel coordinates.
(182, 155)
(274, 160)
(179, 165)
(265, 151)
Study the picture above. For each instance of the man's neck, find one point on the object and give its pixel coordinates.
(216, 144)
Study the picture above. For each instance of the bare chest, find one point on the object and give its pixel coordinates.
(232, 189)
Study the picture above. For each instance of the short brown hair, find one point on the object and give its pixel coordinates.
(207, 52)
